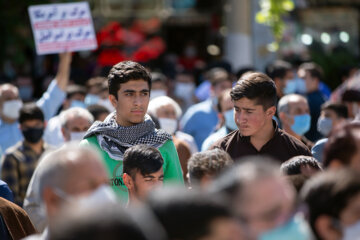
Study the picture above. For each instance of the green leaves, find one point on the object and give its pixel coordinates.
(271, 14)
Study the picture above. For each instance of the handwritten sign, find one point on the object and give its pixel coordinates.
(62, 27)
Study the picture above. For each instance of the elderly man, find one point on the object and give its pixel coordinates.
(10, 103)
(294, 115)
(262, 200)
(71, 176)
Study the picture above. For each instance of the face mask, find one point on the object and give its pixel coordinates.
(301, 124)
(107, 104)
(157, 93)
(26, 92)
(352, 232)
(295, 229)
(324, 126)
(33, 135)
(91, 99)
(11, 109)
(184, 90)
(102, 196)
(77, 103)
(229, 120)
(77, 136)
(290, 87)
(168, 124)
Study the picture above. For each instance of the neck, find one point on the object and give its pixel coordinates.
(36, 147)
(133, 200)
(260, 139)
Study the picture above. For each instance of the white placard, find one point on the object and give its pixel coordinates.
(64, 27)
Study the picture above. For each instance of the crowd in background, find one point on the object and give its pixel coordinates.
(144, 154)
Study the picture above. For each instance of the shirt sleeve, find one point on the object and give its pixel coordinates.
(172, 167)
(51, 100)
(9, 174)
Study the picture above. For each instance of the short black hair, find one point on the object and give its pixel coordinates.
(96, 110)
(255, 86)
(95, 82)
(340, 109)
(30, 111)
(210, 162)
(158, 77)
(342, 144)
(124, 72)
(217, 75)
(223, 94)
(194, 211)
(142, 158)
(73, 89)
(278, 69)
(329, 193)
(293, 165)
(351, 95)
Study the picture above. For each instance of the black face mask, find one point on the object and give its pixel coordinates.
(33, 135)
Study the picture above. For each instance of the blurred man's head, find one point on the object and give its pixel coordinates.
(72, 175)
(280, 72)
(312, 74)
(204, 167)
(333, 200)
(194, 215)
(75, 96)
(331, 116)
(343, 147)
(10, 103)
(159, 85)
(220, 81)
(261, 198)
(74, 123)
(351, 98)
(304, 165)
(142, 171)
(31, 123)
(99, 112)
(294, 114)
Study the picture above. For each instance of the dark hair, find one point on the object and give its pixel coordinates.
(255, 86)
(124, 72)
(297, 181)
(339, 108)
(218, 75)
(329, 194)
(142, 158)
(95, 82)
(210, 162)
(351, 95)
(194, 211)
(71, 90)
(313, 69)
(342, 144)
(293, 165)
(278, 69)
(223, 94)
(30, 111)
(96, 110)
(158, 77)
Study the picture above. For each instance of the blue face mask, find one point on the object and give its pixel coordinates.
(324, 126)
(290, 87)
(229, 120)
(295, 229)
(91, 99)
(301, 124)
(77, 103)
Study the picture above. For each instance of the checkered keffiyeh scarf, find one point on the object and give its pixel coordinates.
(115, 139)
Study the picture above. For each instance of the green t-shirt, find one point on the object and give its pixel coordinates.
(172, 168)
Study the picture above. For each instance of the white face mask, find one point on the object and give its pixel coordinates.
(168, 124)
(157, 93)
(107, 104)
(184, 90)
(11, 109)
(102, 196)
(355, 109)
(352, 232)
(77, 136)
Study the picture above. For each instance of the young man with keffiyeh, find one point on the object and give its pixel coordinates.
(129, 125)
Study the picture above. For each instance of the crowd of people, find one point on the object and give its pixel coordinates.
(138, 155)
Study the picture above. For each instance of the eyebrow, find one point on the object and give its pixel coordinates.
(247, 109)
(133, 91)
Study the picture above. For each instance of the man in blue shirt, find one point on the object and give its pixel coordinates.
(200, 120)
(10, 104)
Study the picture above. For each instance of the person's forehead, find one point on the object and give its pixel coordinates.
(136, 85)
(32, 122)
(246, 102)
(78, 121)
(9, 93)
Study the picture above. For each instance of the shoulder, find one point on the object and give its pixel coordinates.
(292, 143)
(14, 150)
(224, 142)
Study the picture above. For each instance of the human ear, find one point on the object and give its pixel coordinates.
(128, 181)
(326, 229)
(113, 100)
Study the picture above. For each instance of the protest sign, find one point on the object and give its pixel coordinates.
(64, 27)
